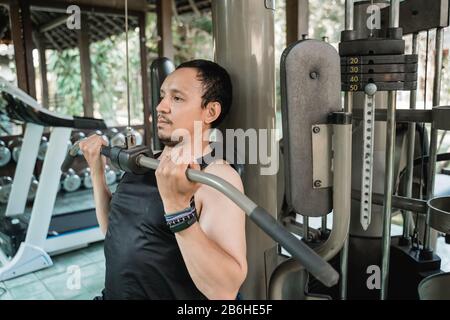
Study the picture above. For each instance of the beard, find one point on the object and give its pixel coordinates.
(168, 141)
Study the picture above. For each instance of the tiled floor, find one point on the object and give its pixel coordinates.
(55, 283)
(77, 275)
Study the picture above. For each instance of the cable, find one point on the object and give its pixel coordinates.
(130, 136)
(127, 62)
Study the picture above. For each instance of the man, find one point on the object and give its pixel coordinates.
(168, 238)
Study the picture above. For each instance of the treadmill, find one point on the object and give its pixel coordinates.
(27, 240)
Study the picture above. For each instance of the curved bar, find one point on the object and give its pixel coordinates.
(341, 203)
(341, 192)
(319, 268)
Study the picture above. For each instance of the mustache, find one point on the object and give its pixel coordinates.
(162, 118)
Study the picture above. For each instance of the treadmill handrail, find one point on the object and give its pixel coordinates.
(35, 113)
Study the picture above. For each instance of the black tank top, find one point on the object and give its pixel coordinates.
(143, 260)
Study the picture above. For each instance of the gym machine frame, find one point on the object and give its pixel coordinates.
(435, 210)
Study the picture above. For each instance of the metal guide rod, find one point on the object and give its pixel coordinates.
(444, 134)
(434, 133)
(344, 271)
(425, 90)
(324, 224)
(410, 153)
(348, 107)
(367, 161)
(388, 191)
(349, 14)
(394, 14)
(325, 217)
(306, 228)
(394, 20)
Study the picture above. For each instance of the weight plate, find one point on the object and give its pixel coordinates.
(379, 68)
(382, 59)
(382, 86)
(375, 78)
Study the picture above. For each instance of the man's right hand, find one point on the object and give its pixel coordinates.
(91, 152)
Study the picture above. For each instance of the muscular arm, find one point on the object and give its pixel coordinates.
(214, 249)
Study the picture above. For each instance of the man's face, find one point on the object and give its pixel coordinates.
(181, 104)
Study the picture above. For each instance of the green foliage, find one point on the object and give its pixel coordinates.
(65, 65)
(192, 37)
(108, 61)
(326, 19)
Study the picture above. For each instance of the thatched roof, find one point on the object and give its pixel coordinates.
(104, 16)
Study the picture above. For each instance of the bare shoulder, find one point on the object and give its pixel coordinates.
(224, 170)
(216, 209)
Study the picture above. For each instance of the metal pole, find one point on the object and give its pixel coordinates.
(434, 133)
(410, 157)
(253, 68)
(394, 19)
(348, 107)
(388, 191)
(394, 14)
(306, 228)
(438, 67)
(349, 14)
(324, 225)
(344, 270)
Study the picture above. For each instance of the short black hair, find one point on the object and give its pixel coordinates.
(217, 85)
